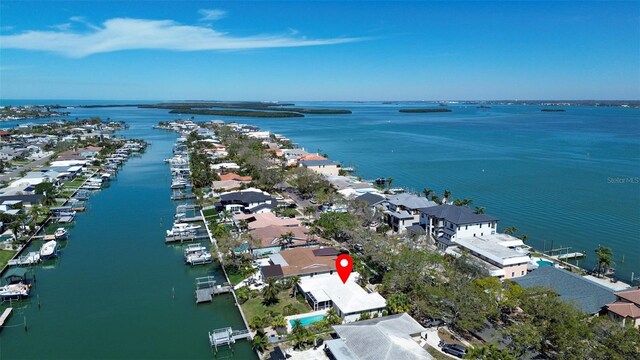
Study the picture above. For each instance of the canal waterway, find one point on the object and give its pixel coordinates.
(117, 291)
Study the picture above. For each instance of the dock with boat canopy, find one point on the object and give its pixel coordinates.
(183, 196)
(183, 238)
(226, 336)
(206, 289)
(30, 258)
(572, 255)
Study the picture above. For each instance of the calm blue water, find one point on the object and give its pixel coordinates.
(117, 290)
(563, 179)
(308, 320)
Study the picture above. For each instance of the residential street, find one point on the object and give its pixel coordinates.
(27, 167)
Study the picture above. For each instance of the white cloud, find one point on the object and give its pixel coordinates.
(61, 27)
(129, 34)
(211, 14)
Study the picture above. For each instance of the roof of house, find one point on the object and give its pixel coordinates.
(410, 201)
(381, 338)
(590, 297)
(311, 157)
(301, 261)
(269, 235)
(308, 163)
(370, 198)
(31, 198)
(624, 309)
(498, 254)
(457, 214)
(632, 295)
(245, 196)
(349, 297)
(256, 221)
(234, 176)
(226, 184)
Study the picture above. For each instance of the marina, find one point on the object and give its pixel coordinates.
(134, 204)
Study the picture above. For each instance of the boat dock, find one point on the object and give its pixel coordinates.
(183, 238)
(573, 255)
(183, 196)
(5, 316)
(190, 219)
(227, 336)
(30, 258)
(206, 288)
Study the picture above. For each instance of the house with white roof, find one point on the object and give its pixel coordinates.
(323, 167)
(348, 299)
(393, 337)
(403, 210)
(504, 256)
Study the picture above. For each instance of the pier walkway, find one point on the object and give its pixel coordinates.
(5, 316)
(206, 289)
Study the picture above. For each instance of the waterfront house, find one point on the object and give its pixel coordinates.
(626, 308)
(348, 299)
(586, 295)
(446, 223)
(323, 167)
(247, 201)
(302, 261)
(234, 176)
(256, 221)
(502, 255)
(403, 210)
(26, 200)
(385, 338)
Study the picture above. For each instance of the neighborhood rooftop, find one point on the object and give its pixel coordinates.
(459, 215)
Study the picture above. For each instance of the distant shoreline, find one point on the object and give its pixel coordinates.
(424, 110)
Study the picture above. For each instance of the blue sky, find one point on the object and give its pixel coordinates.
(319, 50)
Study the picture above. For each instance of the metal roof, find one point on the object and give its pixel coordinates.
(458, 215)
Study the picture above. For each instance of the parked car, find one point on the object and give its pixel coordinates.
(455, 350)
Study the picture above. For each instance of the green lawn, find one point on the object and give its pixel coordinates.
(254, 306)
(5, 256)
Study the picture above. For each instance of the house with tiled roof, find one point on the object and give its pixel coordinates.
(626, 308)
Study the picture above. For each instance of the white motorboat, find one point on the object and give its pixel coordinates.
(182, 229)
(13, 291)
(61, 234)
(196, 254)
(178, 183)
(49, 249)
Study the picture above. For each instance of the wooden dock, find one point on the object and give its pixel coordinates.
(183, 238)
(5, 316)
(183, 196)
(573, 255)
(206, 289)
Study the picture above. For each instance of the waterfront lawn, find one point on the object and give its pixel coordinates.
(254, 305)
(5, 256)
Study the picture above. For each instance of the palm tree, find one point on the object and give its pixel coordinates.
(427, 192)
(332, 317)
(35, 213)
(389, 182)
(224, 215)
(466, 202)
(605, 258)
(447, 195)
(286, 239)
(48, 198)
(510, 230)
(270, 292)
(308, 211)
(15, 227)
(294, 282)
(479, 210)
(259, 342)
(279, 322)
(435, 199)
(523, 237)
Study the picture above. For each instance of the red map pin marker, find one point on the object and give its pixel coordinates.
(344, 264)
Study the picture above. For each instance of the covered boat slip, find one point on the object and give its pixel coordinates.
(206, 288)
(15, 275)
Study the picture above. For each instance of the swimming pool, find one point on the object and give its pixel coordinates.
(544, 263)
(307, 320)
